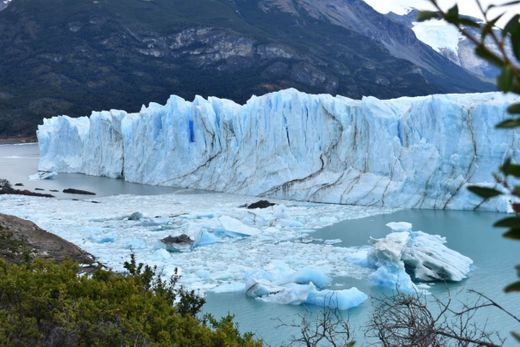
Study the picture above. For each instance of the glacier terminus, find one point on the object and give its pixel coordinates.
(411, 152)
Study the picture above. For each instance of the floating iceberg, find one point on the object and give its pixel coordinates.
(416, 152)
(405, 255)
(305, 287)
(42, 175)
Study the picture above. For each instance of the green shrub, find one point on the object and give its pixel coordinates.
(43, 303)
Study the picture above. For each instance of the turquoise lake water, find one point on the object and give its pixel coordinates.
(470, 233)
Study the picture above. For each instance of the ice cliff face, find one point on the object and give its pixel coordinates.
(408, 152)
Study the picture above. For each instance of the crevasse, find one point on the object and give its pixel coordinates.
(416, 152)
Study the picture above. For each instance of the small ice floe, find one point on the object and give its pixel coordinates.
(208, 232)
(101, 239)
(405, 256)
(305, 287)
(233, 227)
(333, 242)
(42, 175)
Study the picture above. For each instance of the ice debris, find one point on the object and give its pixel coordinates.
(304, 287)
(406, 256)
(42, 175)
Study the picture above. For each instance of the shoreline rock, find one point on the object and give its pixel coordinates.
(21, 240)
(77, 191)
(6, 188)
(178, 243)
(260, 205)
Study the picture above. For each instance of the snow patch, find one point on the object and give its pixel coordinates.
(439, 35)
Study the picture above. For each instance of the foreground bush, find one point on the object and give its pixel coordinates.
(43, 303)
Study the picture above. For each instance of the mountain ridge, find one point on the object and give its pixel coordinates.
(66, 57)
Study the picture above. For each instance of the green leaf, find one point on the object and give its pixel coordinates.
(427, 15)
(510, 169)
(484, 192)
(516, 191)
(515, 88)
(515, 42)
(509, 123)
(511, 25)
(488, 28)
(505, 79)
(516, 336)
(513, 234)
(515, 287)
(452, 16)
(512, 28)
(511, 222)
(468, 22)
(514, 109)
(483, 52)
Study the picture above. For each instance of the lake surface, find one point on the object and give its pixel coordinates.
(18, 162)
(469, 233)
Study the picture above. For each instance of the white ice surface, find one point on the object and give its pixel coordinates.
(407, 153)
(306, 286)
(42, 175)
(233, 244)
(423, 254)
(298, 294)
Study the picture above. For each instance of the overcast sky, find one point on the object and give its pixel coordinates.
(466, 6)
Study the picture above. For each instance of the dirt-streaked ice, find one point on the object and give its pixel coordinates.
(409, 152)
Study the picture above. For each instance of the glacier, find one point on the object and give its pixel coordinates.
(411, 152)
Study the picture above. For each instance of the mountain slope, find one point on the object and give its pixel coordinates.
(445, 39)
(69, 57)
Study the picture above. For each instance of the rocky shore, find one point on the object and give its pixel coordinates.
(21, 240)
(7, 188)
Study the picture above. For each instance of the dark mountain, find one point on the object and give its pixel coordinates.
(73, 56)
(3, 4)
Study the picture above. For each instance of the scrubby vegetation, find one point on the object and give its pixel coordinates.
(44, 303)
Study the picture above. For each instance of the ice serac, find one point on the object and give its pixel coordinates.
(410, 152)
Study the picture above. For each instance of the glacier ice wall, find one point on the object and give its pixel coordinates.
(409, 152)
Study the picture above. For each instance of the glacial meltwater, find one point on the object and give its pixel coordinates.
(295, 241)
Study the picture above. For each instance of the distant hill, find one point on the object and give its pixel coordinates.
(70, 57)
